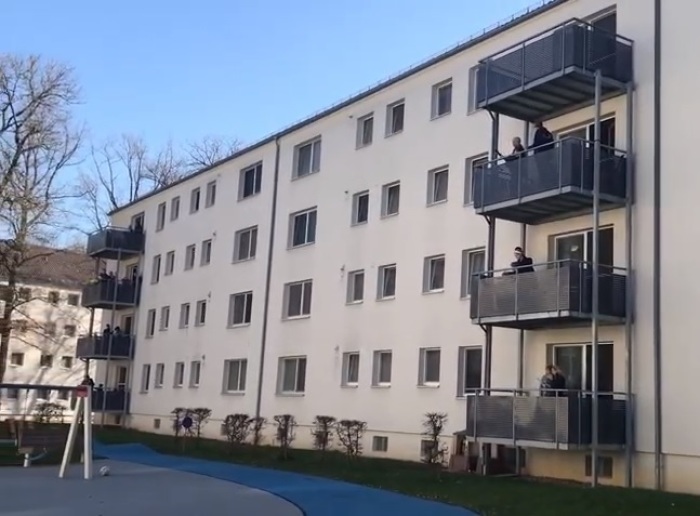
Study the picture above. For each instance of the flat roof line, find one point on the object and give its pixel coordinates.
(512, 21)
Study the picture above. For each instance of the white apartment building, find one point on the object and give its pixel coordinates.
(328, 269)
(46, 326)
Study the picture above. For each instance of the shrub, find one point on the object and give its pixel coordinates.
(285, 434)
(258, 425)
(178, 414)
(322, 432)
(435, 452)
(237, 428)
(200, 416)
(350, 432)
(48, 412)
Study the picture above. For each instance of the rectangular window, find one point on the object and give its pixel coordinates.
(394, 117)
(24, 294)
(169, 263)
(194, 200)
(43, 394)
(175, 208)
(302, 228)
(437, 185)
(472, 100)
(164, 318)
(291, 375)
(150, 323)
(67, 362)
(471, 166)
(145, 377)
(434, 273)
(245, 244)
(442, 99)
(360, 208)
(473, 265)
(155, 270)
(356, 286)
(365, 130)
(307, 158)
(380, 443)
(69, 330)
(50, 329)
(63, 395)
(160, 218)
(210, 198)
(54, 297)
(351, 369)
(190, 256)
(391, 195)
(46, 361)
(235, 375)
(429, 367)
(195, 373)
(298, 299)
(73, 299)
(21, 325)
(250, 181)
(201, 316)
(17, 359)
(184, 315)
(160, 376)
(205, 256)
(381, 370)
(240, 308)
(386, 282)
(469, 370)
(179, 375)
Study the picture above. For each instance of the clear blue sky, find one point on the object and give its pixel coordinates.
(243, 68)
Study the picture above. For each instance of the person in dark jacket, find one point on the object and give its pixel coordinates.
(522, 262)
(558, 378)
(543, 139)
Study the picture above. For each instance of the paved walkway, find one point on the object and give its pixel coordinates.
(314, 495)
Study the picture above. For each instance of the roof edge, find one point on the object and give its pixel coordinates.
(514, 20)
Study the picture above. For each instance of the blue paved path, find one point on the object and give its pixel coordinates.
(314, 495)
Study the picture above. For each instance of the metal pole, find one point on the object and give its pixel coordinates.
(112, 317)
(629, 290)
(595, 280)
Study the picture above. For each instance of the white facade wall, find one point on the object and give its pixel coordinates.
(414, 320)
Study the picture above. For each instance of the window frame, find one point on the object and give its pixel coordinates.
(468, 261)
(69, 360)
(174, 208)
(346, 381)
(200, 317)
(386, 189)
(364, 137)
(164, 321)
(72, 332)
(472, 90)
(159, 376)
(429, 267)
(380, 443)
(195, 199)
(389, 128)
(463, 369)
(210, 194)
(12, 359)
(469, 165)
(205, 252)
(377, 358)
(356, 205)
(252, 231)
(314, 162)
(247, 297)
(73, 297)
(292, 224)
(161, 212)
(297, 391)
(435, 99)
(433, 191)
(423, 380)
(350, 297)
(145, 378)
(150, 323)
(302, 299)
(190, 256)
(179, 375)
(185, 312)
(195, 374)
(381, 280)
(242, 364)
(169, 263)
(155, 269)
(257, 170)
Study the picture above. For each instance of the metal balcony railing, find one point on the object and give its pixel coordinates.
(114, 243)
(565, 57)
(551, 419)
(110, 400)
(555, 293)
(101, 346)
(549, 181)
(110, 293)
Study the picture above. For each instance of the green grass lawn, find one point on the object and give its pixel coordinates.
(490, 496)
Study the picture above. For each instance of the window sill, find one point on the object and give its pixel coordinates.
(436, 291)
(177, 386)
(291, 394)
(381, 386)
(389, 135)
(389, 216)
(296, 318)
(157, 386)
(354, 303)
(357, 224)
(143, 392)
(162, 329)
(194, 386)
(246, 197)
(436, 203)
(243, 260)
(363, 145)
(237, 326)
(300, 246)
(233, 393)
(204, 264)
(349, 386)
(296, 176)
(441, 115)
(383, 299)
(428, 385)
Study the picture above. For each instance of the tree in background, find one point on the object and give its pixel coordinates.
(39, 142)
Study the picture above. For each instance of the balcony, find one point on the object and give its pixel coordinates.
(562, 421)
(115, 243)
(99, 347)
(552, 182)
(110, 294)
(554, 72)
(553, 295)
(110, 400)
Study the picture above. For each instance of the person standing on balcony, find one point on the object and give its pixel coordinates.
(543, 139)
(522, 262)
(558, 379)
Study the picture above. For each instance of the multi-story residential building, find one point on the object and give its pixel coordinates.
(46, 327)
(347, 265)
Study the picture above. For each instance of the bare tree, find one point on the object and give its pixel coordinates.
(33, 196)
(208, 151)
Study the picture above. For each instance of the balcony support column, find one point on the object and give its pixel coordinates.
(629, 297)
(112, 318)
(595, 278)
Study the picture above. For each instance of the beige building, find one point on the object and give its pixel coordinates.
(359, 263)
